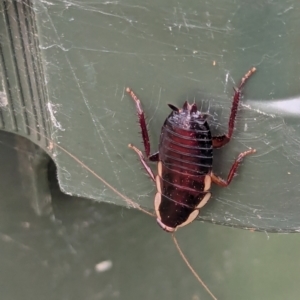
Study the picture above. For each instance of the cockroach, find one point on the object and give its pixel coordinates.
(184, 164)
(184, 160)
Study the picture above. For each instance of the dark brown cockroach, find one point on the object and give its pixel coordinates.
(184, 160)
(130, 203)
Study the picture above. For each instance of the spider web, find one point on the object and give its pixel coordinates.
(169, 53)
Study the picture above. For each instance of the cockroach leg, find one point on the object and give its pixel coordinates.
(220, 141)
(143, 161)
(246, 77)
(154, 156)
(222, 182)
(142, 121)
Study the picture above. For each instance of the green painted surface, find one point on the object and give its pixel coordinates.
(86, 54)
(165, 52)
(83, 55)
(57, 256)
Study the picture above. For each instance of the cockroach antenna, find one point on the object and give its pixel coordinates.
(191, 268)
(130, 203)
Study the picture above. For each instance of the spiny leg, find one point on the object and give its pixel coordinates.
(220, 181)
(143, 161)
(142, 121)
(145, 135)
(220, 141)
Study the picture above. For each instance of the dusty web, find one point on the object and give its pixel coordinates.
(169, 53)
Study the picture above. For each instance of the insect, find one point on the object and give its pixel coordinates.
(184, 160)
(184, 164)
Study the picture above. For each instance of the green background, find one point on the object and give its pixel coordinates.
(64, 68)
(165, 52)
(55, 256)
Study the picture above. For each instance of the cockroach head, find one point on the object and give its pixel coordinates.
(165, 227)
(192, 108)
(187, 116)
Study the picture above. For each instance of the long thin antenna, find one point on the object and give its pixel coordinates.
(127, 200)
(132, 204)
(191, 268)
